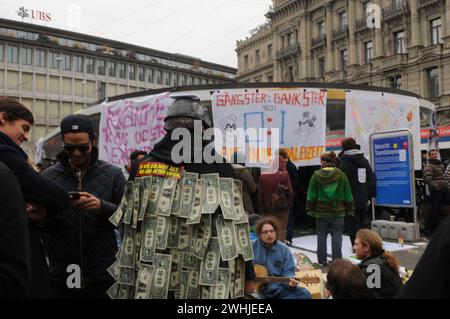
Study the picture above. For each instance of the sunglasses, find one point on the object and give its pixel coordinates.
(70, 148)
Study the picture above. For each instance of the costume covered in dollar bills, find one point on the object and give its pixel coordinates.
(185, 231)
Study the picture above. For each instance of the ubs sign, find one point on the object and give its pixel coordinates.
(34, 14)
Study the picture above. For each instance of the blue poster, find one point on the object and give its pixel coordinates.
(392, 167)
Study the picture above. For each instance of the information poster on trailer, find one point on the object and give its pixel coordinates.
(391, 162)
(270, 119)
(131, 124)
(369, 112)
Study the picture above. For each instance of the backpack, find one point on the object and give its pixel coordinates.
(280, 197)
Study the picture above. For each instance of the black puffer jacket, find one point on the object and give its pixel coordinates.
(351, 162)
(85, 238)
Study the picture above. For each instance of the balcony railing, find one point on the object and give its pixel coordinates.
(394, 61)
(436, 100)
(318, 41)
(396, 9)
(287, 51)
(425, 3)
(340, 32)
(434, 49)
(361, 24)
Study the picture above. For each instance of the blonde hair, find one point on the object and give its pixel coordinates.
(375, 243)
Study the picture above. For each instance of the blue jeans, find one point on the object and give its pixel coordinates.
(334, 226)
(288, 293)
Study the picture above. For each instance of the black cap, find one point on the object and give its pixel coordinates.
(76, 123)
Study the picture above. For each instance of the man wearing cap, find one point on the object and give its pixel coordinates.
(83, 235)
(362, 182)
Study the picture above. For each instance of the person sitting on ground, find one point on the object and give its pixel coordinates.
(369, 248)
(346, 281)
(277, 258)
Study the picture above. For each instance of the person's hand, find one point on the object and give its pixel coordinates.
(87, 201)
(293, 283)
(36, 212)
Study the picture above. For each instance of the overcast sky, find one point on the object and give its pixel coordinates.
(207, 29)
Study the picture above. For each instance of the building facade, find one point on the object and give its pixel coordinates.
(56, 73)
(405, 44)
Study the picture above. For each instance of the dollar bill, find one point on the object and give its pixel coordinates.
(162, 232)
(175, 275)
(226, 199)
(209, 268)
(114, 270)
(145, 192)
(192, 238)
(184, 283)
(138, 240)
(153, 197)
(203, 236)
(193, 291)
(189, 183)
(212, 193)
(205, 292)
(130, 203)
(238, 203)
(222, 289)
(232, 268)
(227, 238)
(184, 238)
(198, 203)
(166, 198)
(124, 292)
(136, 201)
(143, 282)
(113, 291)
(177, 197)
(148, 237)
(117, 216)
(190, 262)
(245, 247)
(174, 232)
(127, 254)
(160, 284)
(239, 278)
(126, 276)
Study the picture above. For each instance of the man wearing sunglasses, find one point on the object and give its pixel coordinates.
(83, 235)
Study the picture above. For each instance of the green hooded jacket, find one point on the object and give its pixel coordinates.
(329, 194)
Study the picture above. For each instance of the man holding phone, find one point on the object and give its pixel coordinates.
(83, 234)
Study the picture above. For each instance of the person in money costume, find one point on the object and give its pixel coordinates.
(186, 233)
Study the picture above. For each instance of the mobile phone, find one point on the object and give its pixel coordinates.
(74, 195)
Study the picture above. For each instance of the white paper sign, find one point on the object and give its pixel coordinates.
(362, 175)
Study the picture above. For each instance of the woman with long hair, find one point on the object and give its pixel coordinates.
(381, 267)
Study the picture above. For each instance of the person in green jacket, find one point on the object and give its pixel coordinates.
(329, 199)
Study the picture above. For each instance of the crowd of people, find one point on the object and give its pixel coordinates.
(59, 217)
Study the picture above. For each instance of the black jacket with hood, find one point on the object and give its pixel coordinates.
(81, 237)
(351, 163)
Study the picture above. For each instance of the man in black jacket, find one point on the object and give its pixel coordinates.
(15, 266)
(43, 197)
(83, 235)
(362, 182)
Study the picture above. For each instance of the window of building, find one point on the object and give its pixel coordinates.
(344, 59)
(436, 31)
(112, 69)
(368, 49)
(53, 60)
(321, 66)
(27, 56)
(13, 54)
(395, 81)
(90, 65)
(141, 74)
(41, 58)
(269, 52)
(101, 67)
(132, 72)
(433, 82)
(321, 29)
(78, 63)
(150, 75)
(1, 52)
(167, 78)
(399, 38)
(343, 20)
(183, 79)
(66, 62)
(246, 62)
(159, 77)
(270, 78)
(257, 57)
(290, 39)
(122, 70)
